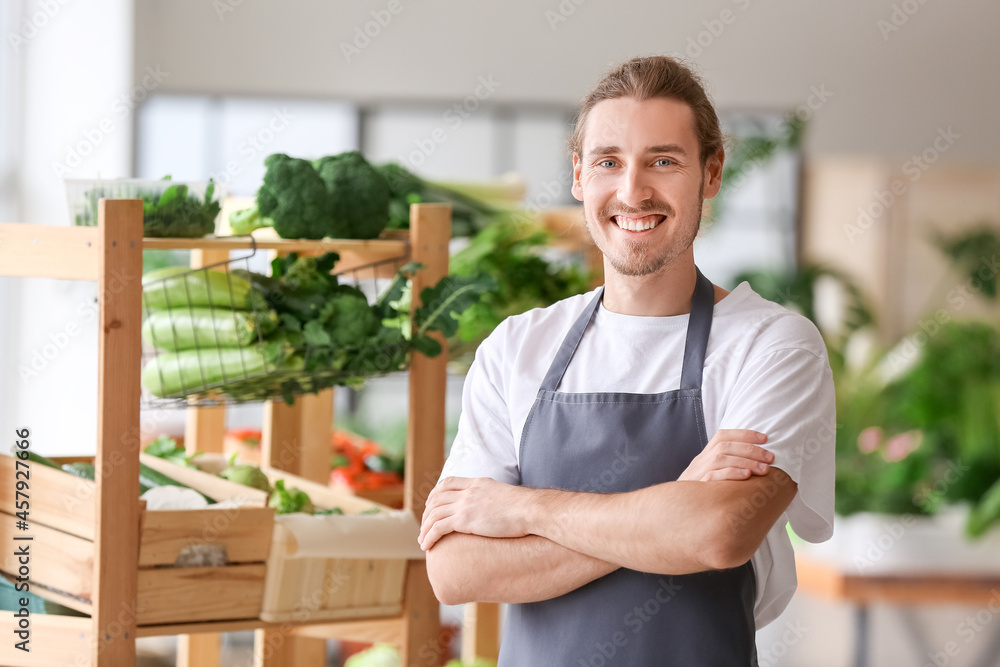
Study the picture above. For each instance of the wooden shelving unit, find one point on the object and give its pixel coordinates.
(296, 439)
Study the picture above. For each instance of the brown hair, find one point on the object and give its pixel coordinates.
(655, 77)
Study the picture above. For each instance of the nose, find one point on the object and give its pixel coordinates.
(634, 187)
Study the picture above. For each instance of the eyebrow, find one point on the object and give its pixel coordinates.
(661, 148)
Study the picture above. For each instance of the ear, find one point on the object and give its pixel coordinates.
(577, 188)
(713, 173)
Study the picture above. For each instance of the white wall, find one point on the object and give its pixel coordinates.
(75, 61)
(891, 90)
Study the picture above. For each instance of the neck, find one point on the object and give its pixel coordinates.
(665, 293)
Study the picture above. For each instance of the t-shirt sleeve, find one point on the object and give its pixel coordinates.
(484, 445)
(788, 394)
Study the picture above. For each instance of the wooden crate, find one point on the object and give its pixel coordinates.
(314, 589)
(317, 589)
(62, 522)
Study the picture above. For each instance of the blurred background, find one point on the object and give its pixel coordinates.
(862, 188)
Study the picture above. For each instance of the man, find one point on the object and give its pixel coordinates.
(582, 487)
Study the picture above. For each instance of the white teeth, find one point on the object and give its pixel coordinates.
(634, 225)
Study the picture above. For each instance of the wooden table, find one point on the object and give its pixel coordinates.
(903, 591)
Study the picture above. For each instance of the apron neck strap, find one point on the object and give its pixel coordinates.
(699, 326)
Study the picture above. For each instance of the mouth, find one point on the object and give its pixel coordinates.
(635, 225)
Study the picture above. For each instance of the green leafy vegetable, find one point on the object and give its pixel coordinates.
(171, 213)
(338, 196)
(359, 196)
(289, 501)
(165, 447)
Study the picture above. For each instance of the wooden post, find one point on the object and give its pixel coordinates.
(481, 631)
(430, 232)
(317, 432)
(116, 543)
(281, 442)
(204, 431)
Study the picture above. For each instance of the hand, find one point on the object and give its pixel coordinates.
(479, 506)
(730, 454)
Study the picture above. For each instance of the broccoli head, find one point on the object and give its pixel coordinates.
(295, 198)
(348, 319)
(359, 195)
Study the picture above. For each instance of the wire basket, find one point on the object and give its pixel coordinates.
(208, 338)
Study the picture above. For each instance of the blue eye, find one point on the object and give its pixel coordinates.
(665, 159)
(607, 163)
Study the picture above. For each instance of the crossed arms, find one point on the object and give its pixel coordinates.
(492, 542)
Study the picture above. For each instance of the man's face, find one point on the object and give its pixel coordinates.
(641, 182)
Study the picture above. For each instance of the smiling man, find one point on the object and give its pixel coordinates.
(583, 488)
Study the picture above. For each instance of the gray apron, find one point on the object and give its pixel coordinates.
(617, 442)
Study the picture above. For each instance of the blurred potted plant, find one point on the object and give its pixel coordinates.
(918, 432)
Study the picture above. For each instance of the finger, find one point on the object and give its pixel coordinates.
(453, 483)
(437, 531)
(740, 435)
(439, 499)
(727, 474)
(433, 517)
(747, 451)
(755, 466)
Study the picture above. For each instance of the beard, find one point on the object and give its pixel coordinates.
(636, 257)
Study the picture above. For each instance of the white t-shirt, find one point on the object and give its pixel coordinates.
(766, 369)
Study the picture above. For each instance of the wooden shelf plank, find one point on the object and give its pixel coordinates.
(44, 251)
(348, 628)
(826, 580)
(373, 248)
(55, 640)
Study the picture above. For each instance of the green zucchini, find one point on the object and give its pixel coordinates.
(154, 478)
(37, 458)
(172, 374)
(180, 329)
(81, 470)
(181, 287)
(88, 471)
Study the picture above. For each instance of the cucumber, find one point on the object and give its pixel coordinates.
(181, 287)
(190, 328)
(172, 374)
(154, 478)
(38, 458)
(88, 471)
(81, 470)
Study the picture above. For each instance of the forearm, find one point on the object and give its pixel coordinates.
(671, 528)
(469, 568)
